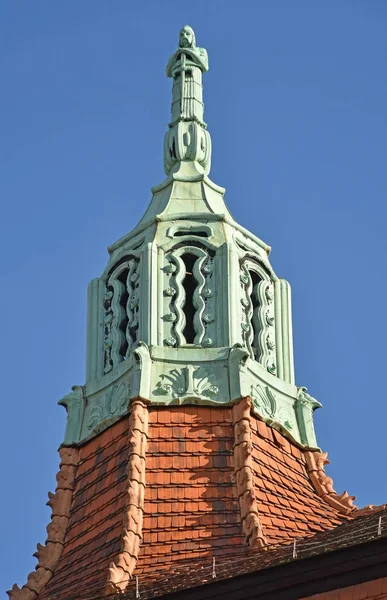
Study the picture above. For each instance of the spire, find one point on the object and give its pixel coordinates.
(189, 309)
(187, 138)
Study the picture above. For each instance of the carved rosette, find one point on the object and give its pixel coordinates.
(49, 555)
(121, 305)
(120, 572)
(324, 485)
(251, 522)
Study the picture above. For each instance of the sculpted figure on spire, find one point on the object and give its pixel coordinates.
(187, 139)
(186, 66)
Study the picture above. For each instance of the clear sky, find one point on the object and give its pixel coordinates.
(296, 106)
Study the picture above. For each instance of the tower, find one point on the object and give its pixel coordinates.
(189, 440)
(189, 309)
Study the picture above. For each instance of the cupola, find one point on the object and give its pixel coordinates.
(189, 309)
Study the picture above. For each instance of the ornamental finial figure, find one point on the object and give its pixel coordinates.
(186, 66)
(187, 139)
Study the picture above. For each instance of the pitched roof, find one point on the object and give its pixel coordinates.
(367, 528)
(219, 482)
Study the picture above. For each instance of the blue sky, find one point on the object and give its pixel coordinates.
(296, 106)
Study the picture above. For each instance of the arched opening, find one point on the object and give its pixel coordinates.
(189, 284)
(124, 322)
(256, 279)
(120, 312)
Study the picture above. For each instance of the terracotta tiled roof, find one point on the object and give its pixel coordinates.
(191, 507)
(201, 573)
(219, 482)
(288, 504)
(94, 535)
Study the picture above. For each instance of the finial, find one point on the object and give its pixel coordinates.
(187, 138)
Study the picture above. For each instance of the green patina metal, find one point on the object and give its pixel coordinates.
(189, 309)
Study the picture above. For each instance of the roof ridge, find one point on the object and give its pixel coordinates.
(48, 555)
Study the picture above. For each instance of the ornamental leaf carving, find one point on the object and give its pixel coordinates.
(95, 417)
(265, 401)
(187, 382)
(172, 384)
(113, 402)
(204, 383)
(118, 398)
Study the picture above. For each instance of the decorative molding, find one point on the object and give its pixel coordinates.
(283, 331)
(263, 319)
(114, 402)
(247, 331)
(175, 271)
(187, 383)
(203, 299)
(74, 403)
(49, 555)
(116, 337)
(132, 305)
(258, 321)
(120, 572)
(121, 316)
(251, 523)
(190, 375)
(304, 406)
(324, 485)
(267, 406)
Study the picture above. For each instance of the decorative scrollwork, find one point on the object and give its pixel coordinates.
(176, 317)
(247, 309)
(121, 308)
(263, 319)
(257, 324)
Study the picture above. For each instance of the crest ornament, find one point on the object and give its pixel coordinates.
(187, 383)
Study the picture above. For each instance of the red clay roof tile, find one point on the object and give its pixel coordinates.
(190, 505)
